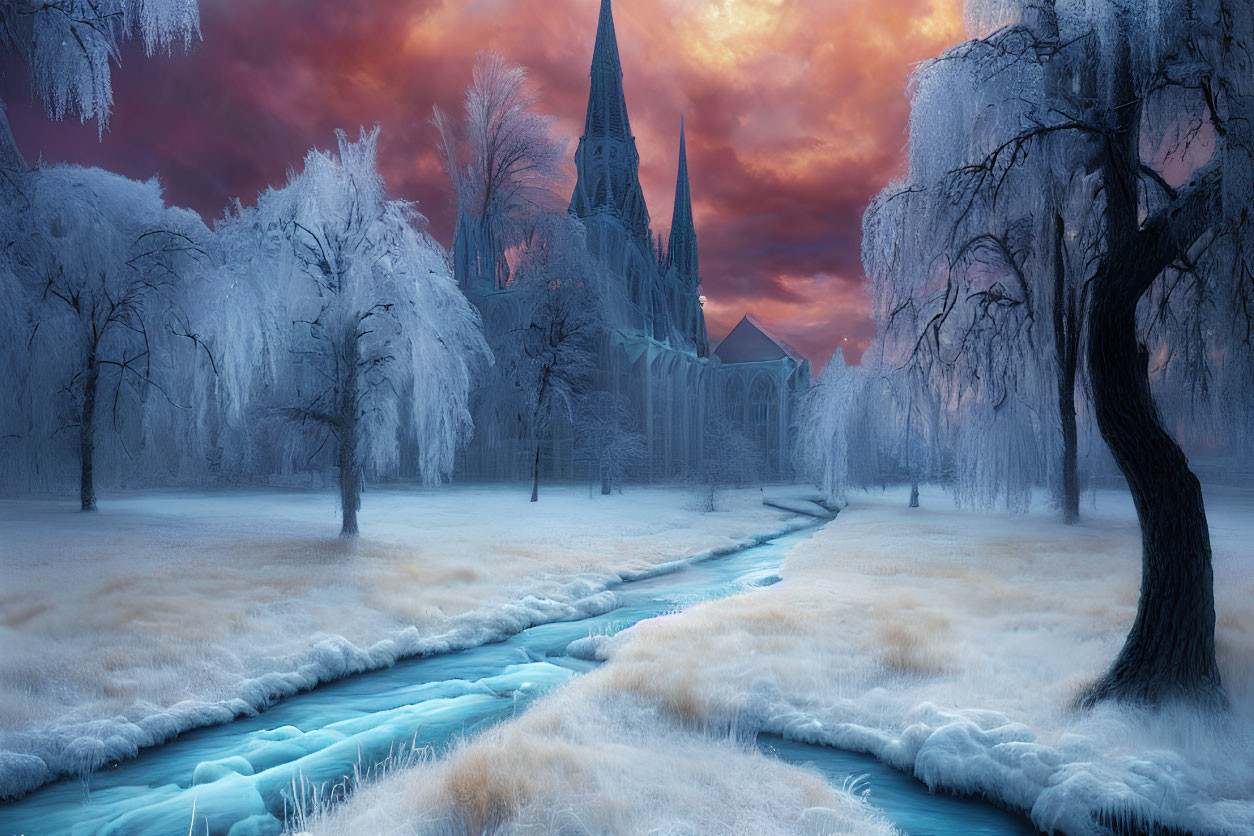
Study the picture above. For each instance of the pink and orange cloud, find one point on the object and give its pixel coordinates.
(795, 115)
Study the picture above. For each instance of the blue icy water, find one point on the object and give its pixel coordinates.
(243, 778)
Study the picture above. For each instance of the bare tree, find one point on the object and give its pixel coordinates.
(502, 167)
(551, 352)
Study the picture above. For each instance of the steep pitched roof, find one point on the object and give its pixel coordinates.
(750, 342)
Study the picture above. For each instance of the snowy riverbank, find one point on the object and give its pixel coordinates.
(174, 610)
(593, 759)
(948, 644)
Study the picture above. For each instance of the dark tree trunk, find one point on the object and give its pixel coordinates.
(542, 404)
(350, 482)
(1170, 651)
(349, 426)
(914, 479)
(1066, 341)
(606, 487)
(535, 476)
(87, 437)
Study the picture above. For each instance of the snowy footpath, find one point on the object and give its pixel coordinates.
(948, 644)
(175, 610)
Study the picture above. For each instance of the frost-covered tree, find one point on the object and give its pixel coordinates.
(68, 45)
(912, 419)
(502, 166)
(103, 268)
(824, 423)
(606, 437)
(732, 460)
(980, 282)
(871, 460)
(1133, 72)
(909, 381)
(14, 300)
(1192, 61)
(372, 341)
(549, 355)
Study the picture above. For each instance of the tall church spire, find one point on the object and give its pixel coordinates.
(681, 251)
(607, 106)
(606, 160)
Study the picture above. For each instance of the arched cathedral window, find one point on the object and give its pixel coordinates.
(764, 417)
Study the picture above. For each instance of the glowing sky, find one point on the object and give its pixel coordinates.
(795, 118)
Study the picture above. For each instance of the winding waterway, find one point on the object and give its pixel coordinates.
(242, 778)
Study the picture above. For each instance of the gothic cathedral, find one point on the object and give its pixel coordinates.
(654, 353)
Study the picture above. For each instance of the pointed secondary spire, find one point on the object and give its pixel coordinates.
(681, 251)
(607, 107)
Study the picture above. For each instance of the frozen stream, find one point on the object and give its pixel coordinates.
(242, 775)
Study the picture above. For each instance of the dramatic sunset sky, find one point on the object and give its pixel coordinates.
(795, 112)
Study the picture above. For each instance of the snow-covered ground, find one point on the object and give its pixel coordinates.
(172, 610)
(949, 644)
(594, 759)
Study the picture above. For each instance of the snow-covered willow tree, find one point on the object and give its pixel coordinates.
(824, 425)
(980, 280)
(911, 425)
(371, 341)
(1099, 87)
(503, 165)
(874, 430)
(912, 379)
(68, 45)
(104, 270)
